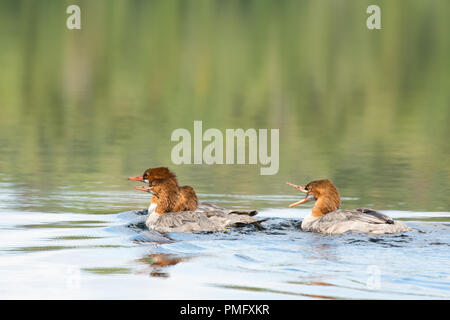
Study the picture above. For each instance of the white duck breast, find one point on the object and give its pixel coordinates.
(152, 215)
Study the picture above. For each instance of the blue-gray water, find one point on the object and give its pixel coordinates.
(70, 254)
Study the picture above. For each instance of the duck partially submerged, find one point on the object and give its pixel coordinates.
(326, 216)
(176, 208)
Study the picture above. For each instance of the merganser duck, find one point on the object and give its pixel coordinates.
(326, 217)
(178, 198)
(176, 209)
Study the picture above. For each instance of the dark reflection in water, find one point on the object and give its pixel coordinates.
(157, 263)
(321, 251)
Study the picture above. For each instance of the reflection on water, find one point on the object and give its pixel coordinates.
(108, 270)
(158, 263)
(81, 111)
(321, 251)
(64, 224)
(315, 296)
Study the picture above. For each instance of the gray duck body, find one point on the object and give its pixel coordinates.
(207, 217)
(359, 220)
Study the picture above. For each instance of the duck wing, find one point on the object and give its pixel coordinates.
(371, 216)
(360, 220)
(358, 215)
(185, 221)
(207, 217)
(211, 209)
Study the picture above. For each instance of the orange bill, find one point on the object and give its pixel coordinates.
(143, 188)
(308, 197)
(300, 188)
(138, 178)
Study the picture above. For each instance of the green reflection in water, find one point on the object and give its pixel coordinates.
(64, 224)
(42, 248)
(75, 238)
(108, 270)
(54, 248)
(368, 109)
(436, 219)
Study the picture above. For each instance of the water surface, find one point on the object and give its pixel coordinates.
(80, 111)
(67, 253)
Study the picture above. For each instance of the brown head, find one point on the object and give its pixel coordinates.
(163, 184)
(167, 194)
(324, 192)
(155, 174)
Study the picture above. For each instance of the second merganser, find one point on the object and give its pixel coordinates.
(326, 217)
(178, 198)
(176, 209)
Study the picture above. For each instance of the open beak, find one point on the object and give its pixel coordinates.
(308, 197)
(139, 178)
(144, 188)
(302, 189)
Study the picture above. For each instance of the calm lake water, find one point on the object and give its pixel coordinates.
(82, 110)
(72, 243)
